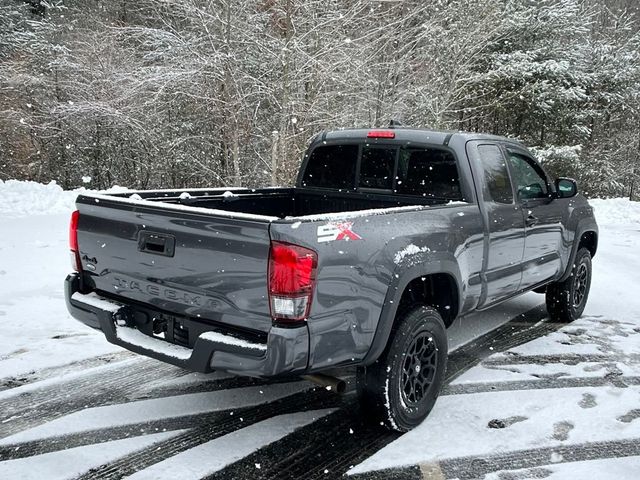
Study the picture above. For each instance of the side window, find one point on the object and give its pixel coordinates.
(331, 166)
(376, 167)
(497, 185)
(530, 181)
(428, 172)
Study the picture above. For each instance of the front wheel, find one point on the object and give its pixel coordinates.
(566, 300)
(402, 386)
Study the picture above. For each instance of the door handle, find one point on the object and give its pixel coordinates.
(531, 221)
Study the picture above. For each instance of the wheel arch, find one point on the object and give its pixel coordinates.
(589, 240)
(587, 237)
(435, 284)
(437, 290)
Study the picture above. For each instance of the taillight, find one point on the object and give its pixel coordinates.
(73, 241)
(381, 134)
(292, 276)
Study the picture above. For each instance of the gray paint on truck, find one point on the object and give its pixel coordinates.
(217, 276)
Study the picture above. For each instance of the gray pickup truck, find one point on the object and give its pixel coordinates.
(388, 236)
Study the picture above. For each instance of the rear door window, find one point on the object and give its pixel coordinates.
(428, 172)
(332, 166)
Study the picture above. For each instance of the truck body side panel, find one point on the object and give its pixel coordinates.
(359, 279)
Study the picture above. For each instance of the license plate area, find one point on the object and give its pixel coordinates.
(172, 329)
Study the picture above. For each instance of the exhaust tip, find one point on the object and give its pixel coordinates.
(341, 386)
(333, 384)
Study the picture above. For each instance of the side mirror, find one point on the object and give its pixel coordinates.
(566, 188)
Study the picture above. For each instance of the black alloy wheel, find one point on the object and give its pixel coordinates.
(566, 300)
(401, 387)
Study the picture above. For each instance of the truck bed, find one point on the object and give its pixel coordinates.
(279, 202)
(203, 254)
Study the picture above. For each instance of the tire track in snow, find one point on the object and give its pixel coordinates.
(69, 463)
(136, 379)
(477, 466)
(347, 437)
(106, 386)
(304, 458)
(569, 382)
(133, 419)
(214, 455)
(518, 331)
(211, 428)
(307, 459)
(37, 376)
(567, 359)
(325, 449)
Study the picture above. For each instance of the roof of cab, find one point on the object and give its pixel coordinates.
(441, 137)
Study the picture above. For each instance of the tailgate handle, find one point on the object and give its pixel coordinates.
(157, 243)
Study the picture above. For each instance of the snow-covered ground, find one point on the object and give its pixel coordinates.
(34, 260)
(597, 358)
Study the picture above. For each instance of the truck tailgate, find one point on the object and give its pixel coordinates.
(192, 264)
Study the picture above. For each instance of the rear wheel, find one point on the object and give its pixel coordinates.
(401, 387)
(566, 300)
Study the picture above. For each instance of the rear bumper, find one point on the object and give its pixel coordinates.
(285, 352)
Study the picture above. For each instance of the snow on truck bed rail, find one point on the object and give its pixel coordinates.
(136, 200)
(356, 213)
(174, 206)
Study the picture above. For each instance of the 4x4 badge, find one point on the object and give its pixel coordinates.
(337, 231)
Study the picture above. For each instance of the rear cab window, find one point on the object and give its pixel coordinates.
(427, 172)
(377, 167)
(332, 166)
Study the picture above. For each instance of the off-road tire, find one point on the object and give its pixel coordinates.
(566, 300)
(401, 387)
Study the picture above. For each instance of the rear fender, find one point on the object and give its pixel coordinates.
(427, 263)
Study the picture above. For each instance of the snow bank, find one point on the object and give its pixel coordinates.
(24, 199)
(616, 211)
(20, 199)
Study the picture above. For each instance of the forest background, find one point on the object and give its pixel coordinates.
(188, 93)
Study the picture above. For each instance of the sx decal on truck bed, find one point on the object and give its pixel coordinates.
(337, 231)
